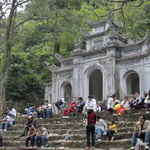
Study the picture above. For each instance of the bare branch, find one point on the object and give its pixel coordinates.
(138, 5)
(30, 18)
(102, 15)
(125, 1)
(21, 3)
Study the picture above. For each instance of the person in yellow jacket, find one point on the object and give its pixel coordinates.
(112, 131)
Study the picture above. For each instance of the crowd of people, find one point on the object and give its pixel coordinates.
(96, 127)
(44, 110)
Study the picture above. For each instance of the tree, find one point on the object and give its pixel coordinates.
(8, 8)
(24, 84)
(132, 14)
(60, 19)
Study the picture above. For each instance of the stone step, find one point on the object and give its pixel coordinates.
(52, 126)
(74, 137)
(125, 143)
(61, 132)
(125, 129)
(59, 125)
(103, 144)
(70, 123)
(51, 120)
(103, 114)
(54, 148)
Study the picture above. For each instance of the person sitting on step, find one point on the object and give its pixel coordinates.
(147, 102)
(125, 103)
(41, 136)
(39, 111)
(67, 112)
(100, 128)
(12, 112)
(91, 102)
(47, 110)
(31, 121)
(142, 131)
(6, 121)
(111, 131)
(79, 108)
(111, 103)
(30, 136)
(32, 110)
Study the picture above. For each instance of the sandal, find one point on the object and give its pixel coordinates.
(92, 147)
(86, 148)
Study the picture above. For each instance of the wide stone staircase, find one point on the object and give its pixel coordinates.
(57, 128)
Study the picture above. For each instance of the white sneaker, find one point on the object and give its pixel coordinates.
(5, 130)
(64, 116)
(42, 146)
(147, 112)
(35, 146)
(99, 140)
(67, 116)
(132, 148)
(147, 147)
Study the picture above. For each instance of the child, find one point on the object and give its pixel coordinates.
(111, 132)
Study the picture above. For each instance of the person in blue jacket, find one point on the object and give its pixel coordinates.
(59, 103)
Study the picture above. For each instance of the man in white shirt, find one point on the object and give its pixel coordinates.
(125, 103)
(147, 102)
(91, 103)
(138, 97)
(12, 112)
(6, 121)
(111, 103)
(100, 128)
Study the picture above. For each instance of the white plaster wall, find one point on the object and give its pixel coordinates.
(147, 78)
(48, 92)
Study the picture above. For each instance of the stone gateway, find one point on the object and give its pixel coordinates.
(108, 65)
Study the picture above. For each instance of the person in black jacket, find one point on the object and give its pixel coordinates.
(79, 107)
(31, 121)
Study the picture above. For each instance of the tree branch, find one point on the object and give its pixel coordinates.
(30, 18)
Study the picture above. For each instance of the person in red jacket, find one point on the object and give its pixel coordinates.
(90, 128)
(67, 112)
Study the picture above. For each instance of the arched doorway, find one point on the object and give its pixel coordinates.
(96, 85)
(66, 91)
(132, 83)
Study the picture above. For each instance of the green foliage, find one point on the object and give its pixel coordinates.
(56, 23)
(23, 83)
(137, 21)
